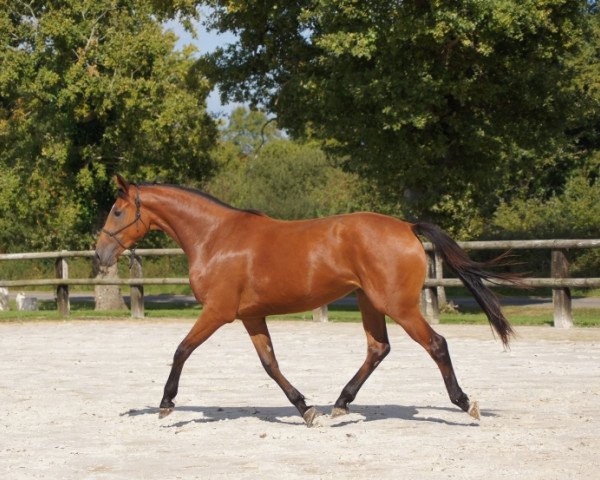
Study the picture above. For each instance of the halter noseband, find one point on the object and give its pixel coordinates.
(138, 217)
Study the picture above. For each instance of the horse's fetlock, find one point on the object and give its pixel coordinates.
(346, 397)
(296, 398)
(461, 401)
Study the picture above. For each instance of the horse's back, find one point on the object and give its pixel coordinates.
(361, 237)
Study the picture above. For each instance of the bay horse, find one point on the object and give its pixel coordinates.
(245, 265)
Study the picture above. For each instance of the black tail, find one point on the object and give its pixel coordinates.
(472, 273)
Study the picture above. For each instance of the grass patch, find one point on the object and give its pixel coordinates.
(517, 315)
(520, 292)
(582, 317)
(85, 310)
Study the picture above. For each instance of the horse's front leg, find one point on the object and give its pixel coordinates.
(259, 333)
(210, 321)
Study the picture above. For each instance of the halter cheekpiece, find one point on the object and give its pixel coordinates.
(138, 217)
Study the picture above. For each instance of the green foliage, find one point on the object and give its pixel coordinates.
(546, 176)
(260, 169)
(433, 109)
(87, 89)
(85, 310)
(446, 105)
(289, 180)
(572, 214)
(249, 130)
(575, 213)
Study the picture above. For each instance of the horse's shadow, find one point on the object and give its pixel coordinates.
(289, 415)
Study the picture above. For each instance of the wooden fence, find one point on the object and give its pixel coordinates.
(433, 293)
(559, 281)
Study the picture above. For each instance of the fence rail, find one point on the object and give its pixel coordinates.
(433, 293)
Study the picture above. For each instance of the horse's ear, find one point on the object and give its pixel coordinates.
(122, 184)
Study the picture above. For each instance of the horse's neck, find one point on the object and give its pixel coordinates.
(189, 219)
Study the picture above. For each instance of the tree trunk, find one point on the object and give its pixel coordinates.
(108, 297)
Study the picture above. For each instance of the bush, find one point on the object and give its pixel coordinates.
(575, 213)
(288, 180)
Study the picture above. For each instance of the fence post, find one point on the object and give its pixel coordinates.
(320, 314)
(429, 298)
(136, 295)
(439, 275)
(61, 268)
(561, 297)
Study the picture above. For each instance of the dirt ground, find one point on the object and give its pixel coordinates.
(81, 400)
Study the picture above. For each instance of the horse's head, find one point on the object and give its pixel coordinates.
(125, 225)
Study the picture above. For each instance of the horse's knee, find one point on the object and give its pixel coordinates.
(181, 354)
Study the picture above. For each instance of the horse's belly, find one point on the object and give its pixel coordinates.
(281, 300)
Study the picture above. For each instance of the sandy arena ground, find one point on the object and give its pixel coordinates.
(80, 403)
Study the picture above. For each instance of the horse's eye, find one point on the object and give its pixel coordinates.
(117, 213)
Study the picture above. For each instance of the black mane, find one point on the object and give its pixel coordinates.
(206, 196)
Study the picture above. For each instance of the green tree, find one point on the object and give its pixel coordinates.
(445, 104)
(573, 213)
(249, 130)
(258, 168)
(292, 181)
(240, 136)
(561, 198)
(87, 89)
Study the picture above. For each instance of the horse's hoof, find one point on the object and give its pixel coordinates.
(338, 412)
(474, 410)
(310, 415)
(165, 412)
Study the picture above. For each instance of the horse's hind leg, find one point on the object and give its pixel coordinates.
(378, 346)
(419, 330)
(259, 333)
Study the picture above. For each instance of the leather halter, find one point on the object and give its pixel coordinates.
(138, 217)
